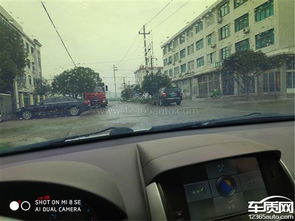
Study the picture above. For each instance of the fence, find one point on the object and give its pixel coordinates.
(5, 106)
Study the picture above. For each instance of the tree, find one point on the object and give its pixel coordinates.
(76, 81)
(153, 82)
(137, 90)
(42, 87)
(130, 91)
(127, 93)
(12, 57)
(244, 66)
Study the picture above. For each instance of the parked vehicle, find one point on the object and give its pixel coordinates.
(53, 106)
(97, 98)
(167, 95)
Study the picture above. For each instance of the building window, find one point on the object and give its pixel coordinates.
(242, 22)
(165, 72)
(170, 73)
(176, 57)
(265, 39)
(165, 61)
(211, 58)
(181, 38)
(271, 82)
(224, 32)
(224, 9)
(29, 64)
(209, 19)
(165, 50)
(190, 49)
(27, 47)
(210, 39)
(200, 62)
(199, 26)
(190, 65)
(290, 79)
(224, 53)
(170, 60)
(176, 71)
(170, 46)
(182, 53)
(264, 11)
(183, 68)
(190, 33)
(32, 50)
(175, 43)
(238, 3)
(199, 44)
(30, 80)
(33, 66)
(243, 45)
(290, 65)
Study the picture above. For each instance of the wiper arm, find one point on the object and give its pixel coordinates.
(113, 132)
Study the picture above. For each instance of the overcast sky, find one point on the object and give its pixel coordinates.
(100, 33)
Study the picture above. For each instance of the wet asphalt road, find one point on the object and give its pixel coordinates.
(136, 116)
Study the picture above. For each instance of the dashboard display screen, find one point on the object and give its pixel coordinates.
(226, 188)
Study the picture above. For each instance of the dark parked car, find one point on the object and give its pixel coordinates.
(168, 95)
(53, 106)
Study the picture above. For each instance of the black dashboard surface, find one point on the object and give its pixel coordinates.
(118, 157)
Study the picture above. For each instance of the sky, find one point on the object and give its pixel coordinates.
(102, 33)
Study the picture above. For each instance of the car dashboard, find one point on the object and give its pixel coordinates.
(204, 174)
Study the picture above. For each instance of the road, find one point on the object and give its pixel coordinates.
(134, 115)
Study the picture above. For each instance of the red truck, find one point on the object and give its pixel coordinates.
(97, 98)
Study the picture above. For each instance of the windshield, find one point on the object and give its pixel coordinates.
(154, 62)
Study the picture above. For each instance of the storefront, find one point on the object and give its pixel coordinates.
(209, 84)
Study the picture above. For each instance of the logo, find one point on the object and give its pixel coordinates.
(14, 205)
(268, 206)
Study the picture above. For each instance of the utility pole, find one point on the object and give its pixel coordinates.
(144, 42)
(114, 70)
(152, 54)
(124, 83)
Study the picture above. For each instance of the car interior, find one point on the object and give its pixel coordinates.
(197, 174)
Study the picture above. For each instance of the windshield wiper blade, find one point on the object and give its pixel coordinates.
(56, 143)
(250, 118)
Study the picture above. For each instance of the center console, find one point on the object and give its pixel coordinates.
(212, 190)
(218, 185)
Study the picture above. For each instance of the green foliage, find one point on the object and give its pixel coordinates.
(131, 91)
(76, 81)
(12, 57)
(279, 60)
(127, 93)
(246, 62)
(153, 82)
(42, 87)
(137, 90)
(245, 65)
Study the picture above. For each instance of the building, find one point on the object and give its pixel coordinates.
(143, 71)
(193, 56)
(24, 86)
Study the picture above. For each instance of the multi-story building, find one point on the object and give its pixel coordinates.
(143, 71)
(193, 56)
(24, 86)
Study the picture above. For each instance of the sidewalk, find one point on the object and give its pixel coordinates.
(230, 100)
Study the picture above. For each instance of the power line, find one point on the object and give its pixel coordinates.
(135, 39)
(162, 9)
(184, 4)
(132, 43)
(58, 34)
